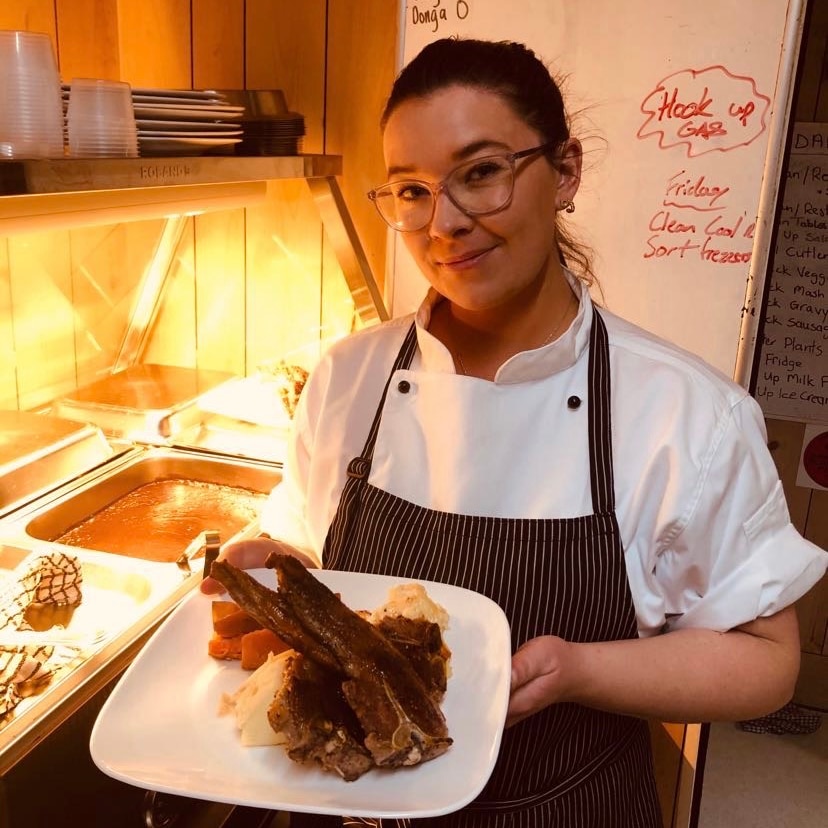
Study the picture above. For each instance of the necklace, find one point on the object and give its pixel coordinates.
(459, 358)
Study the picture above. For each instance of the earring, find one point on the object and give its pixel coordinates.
(567, 205)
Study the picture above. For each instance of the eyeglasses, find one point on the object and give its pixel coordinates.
(478, 187)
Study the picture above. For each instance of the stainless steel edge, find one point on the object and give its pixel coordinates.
(66, 175)
(340, 229)
(27, 730)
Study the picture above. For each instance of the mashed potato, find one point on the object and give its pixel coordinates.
(411, 601)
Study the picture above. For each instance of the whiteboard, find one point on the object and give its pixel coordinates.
(682, 108)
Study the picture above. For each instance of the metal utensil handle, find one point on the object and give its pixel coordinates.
(212, 546)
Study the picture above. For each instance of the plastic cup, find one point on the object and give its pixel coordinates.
(31, 114)
(100, 119)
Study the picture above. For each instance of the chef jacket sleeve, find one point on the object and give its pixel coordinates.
(738, 555)
(283, 515)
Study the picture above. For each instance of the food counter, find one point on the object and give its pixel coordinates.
(117, 461)
(132, 511)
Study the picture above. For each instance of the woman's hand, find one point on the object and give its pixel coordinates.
(252, 554)
(539, 676)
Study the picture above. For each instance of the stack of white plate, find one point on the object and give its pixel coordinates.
(185, 122)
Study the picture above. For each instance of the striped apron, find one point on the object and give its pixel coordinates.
(567, 766)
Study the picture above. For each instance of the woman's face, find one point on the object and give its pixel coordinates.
(479, 262)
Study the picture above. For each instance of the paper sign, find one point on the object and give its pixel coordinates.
(813, 461)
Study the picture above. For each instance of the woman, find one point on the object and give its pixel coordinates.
(612, 493)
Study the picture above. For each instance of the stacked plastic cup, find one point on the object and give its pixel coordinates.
(31, 113)
(100, 119)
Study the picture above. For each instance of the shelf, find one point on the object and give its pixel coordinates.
(73, 175)
(69, 192)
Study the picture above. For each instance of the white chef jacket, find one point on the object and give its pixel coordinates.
(704, 524)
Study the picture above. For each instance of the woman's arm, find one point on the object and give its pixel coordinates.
(689, 675)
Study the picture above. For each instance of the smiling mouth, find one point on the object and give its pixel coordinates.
(465, 260)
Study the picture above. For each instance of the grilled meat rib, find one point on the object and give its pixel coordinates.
(310, 711)
(421, 642)
(402, 721)
(268, 608)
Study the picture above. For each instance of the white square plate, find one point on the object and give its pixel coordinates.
(160, 728)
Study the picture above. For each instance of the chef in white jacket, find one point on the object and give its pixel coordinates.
(612, 493)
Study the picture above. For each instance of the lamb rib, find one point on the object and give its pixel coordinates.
(318, 725)
(403, 724)
(269, 609)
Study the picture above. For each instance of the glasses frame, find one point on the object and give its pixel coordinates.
(435, 189)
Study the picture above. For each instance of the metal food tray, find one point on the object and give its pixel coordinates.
(39, 452)
(145, 403)
(123, 597)
(52, 517)
(129, 595)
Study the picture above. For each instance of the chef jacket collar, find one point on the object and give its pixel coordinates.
(525, 366)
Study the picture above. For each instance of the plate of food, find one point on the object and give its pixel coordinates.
(198, 724)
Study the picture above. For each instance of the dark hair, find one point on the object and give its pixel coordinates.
(510, 70)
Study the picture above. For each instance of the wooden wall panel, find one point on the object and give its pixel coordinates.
(218, 44)
(88, 42)
(43, 316)
(337, 316)
(108, 263)
(29, 16)
(812, 54)
(172, 340)
(283, 275)
(8, 368)
(250, 285)
(816, 49)
(285, 49)
(218, 63)
(155, 43)
(220, 290)
(667, 740)
(812, 687)
(361, 67)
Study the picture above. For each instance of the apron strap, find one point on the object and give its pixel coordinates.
(360, 466)
(600, 425)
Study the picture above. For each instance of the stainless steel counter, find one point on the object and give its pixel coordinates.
(127, 596)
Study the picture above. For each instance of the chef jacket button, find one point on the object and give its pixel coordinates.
(403, 386)
(573, 402)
